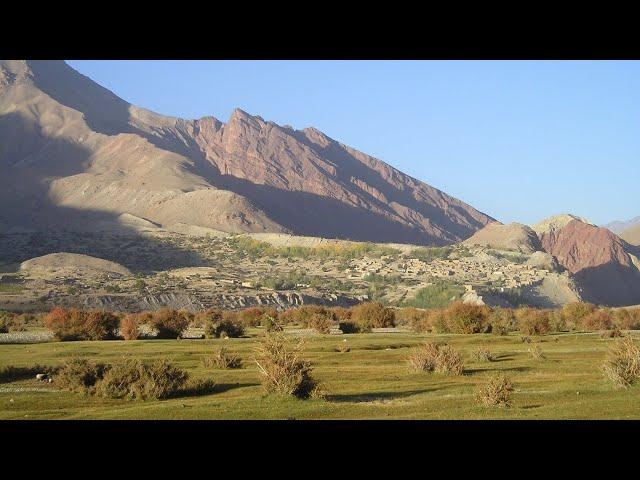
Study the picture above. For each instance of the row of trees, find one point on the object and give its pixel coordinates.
(460, 318)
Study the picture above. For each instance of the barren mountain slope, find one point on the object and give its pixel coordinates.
(513, 236)
(602, 263)
(80, 152)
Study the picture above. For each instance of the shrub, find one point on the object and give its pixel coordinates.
(536, 353)
(373, 315)
(129, 328)
(253, 317)
(282, 369)
(133, 379)
(222, 359)
(74, 324)
(465, 318)
(321, 323)
(502, 321)
(532, 321)
(573, 313)
(482, 354)
(351, 327)
(597, 320)
(557, 322)
(622, 363)
(341, 313)
(169, 323)
(424, 358)
(219, 324)
(438, 358)
(626, 319)
(81, 375)
(417, 319)
(496, 392)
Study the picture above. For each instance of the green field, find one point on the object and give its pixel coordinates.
(371, 381)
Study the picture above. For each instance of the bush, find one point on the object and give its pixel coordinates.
(133, 379)
(373, 315)
(622, 363)
(626, 319)
(465, 318)
(221, 324)
(321, 323)
(222, 359)
(350, 327)
(496, 392)
(573, 313)
(502, 321)
(597, 320)
(254, 316)
(282, 369)
(417, 319)
(74, 324)
(81, 375)
(482, 354)
(438, 358)
(340, 313)
(532, 321)
(169, 323)
(129, 327)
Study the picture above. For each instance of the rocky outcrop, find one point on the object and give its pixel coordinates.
(598, 260)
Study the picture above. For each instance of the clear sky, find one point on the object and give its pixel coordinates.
(518, 140)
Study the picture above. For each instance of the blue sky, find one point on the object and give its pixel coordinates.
(518, 140)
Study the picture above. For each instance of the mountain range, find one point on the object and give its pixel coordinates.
(73, 153)
(74, 156)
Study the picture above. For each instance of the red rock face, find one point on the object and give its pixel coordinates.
(313, 185)
(599, 261)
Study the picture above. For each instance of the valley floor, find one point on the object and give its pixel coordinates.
(371, 381)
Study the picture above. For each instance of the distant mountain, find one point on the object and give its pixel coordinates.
(620, 226)
(72, 153)
(605, 266)
(631, 235)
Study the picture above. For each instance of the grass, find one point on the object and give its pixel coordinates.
(372, 381)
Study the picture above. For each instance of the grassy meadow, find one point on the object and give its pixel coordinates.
(371, 381)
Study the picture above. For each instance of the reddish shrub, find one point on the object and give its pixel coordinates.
(373, 315)
(129, 327)
(465, 318)
(254, 316)
(532, 321)
(597, 320)
(170, 323)
(573, 313)
(74, 324)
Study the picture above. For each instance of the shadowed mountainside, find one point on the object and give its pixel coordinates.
(605, 266)
(74, 142)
